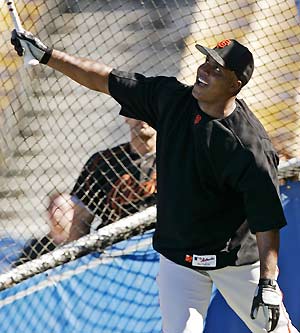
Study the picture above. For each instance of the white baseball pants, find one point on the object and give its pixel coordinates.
(185, 295)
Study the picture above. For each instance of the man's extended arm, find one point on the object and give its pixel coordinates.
(88, 73)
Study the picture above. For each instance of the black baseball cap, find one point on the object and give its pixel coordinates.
(232, 55)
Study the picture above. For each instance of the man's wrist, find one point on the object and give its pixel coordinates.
(267, 282)
(46, 57)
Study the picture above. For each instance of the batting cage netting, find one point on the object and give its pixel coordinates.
(64, 151)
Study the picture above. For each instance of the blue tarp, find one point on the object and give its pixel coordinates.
(120, 294)
(298, 6)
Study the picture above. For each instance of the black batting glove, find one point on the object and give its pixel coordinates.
(39, 50)
(268, 297)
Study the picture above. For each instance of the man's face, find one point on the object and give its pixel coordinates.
(140, 129)
(214, 83)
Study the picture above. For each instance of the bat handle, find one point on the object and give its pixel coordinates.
(29, 59)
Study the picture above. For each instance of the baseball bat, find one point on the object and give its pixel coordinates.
(29, 59)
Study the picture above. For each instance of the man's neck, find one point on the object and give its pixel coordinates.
(137, 145)
(218, 110)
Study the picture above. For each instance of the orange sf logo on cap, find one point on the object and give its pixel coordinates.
(223, 43)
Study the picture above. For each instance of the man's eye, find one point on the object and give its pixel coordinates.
(217, 69)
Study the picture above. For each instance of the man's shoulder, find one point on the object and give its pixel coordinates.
(247, 132)
(249, 119)
(133, 78)
(244, 124)
(240, 130)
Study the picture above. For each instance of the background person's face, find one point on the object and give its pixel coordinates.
(140, 129)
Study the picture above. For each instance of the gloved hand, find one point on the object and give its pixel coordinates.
(39, 50)
(269, 297)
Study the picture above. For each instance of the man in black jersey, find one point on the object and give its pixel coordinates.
(218, 207)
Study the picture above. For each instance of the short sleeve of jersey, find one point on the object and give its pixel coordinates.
(252, 172)
(140, 97)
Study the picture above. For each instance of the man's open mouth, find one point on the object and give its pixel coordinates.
(201, 82)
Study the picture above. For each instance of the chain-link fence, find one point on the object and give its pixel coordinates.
(50, 125)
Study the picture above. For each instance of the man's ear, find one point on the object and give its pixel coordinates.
(236, 86)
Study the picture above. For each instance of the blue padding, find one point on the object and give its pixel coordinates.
(298, 6)
(117, 296)
(289, 262)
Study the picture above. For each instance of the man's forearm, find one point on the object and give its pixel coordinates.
(268, 247)
(88, 73)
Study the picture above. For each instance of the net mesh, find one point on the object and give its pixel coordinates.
(50, 126)
(121, 230)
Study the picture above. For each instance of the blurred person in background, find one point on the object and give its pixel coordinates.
(114, 183)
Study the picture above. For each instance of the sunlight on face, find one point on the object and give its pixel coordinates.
(214, 82)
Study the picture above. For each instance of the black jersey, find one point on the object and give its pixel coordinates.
(116, 183)
(217, 178)
(35, 248)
